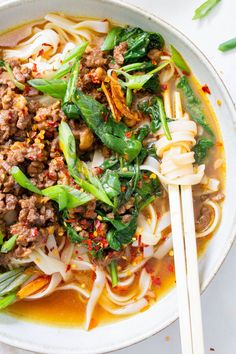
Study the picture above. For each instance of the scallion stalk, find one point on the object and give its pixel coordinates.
(9, 244)
(114, 274)
(228, 45)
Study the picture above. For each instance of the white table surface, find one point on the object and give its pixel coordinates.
(219, 300)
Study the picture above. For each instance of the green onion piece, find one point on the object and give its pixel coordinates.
(228, 45)
(9, 244)
(15, 283)
(64, 70)
(179, 61)
(163, 118)
(129, 97)
(10, 274)
(7, 300)
(23, 181)
(76, 52)
(203, 10)
(71, 86)
(67, 144)
(1, 237)
(113, 272)
(12, 78)
(53, 87)
(110, 40)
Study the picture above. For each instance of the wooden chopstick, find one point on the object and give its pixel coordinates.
(185, 256)
(192, 270)
(191, 255)
(180, 269)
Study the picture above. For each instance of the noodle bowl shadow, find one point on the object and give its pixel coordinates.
(48, 339)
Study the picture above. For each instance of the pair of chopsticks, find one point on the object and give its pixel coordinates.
(185, 257)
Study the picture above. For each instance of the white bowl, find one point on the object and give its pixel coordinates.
(48, 339)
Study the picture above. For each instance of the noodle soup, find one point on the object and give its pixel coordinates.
(96, 121)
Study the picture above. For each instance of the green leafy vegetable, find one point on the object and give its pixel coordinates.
(109, 163)
(72, 234)
(155, 108)
(112, 134)
(179, 61)
(228, 45)
(23, 181)
(110, 39)
(139, 42)
(54, 87)
(122, 233)
(113, 272)
(77, 168)
(111, 183)
(64, 70)
(147, 190)
(193, 104)
(203, 10)
(8, 245)
(7, 301)
(201, 149)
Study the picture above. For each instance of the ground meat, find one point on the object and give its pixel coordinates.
(119, 51)
(88, 210)
(21, 73)
(7, 202)
(126, 206)
(36, 211)
(48, 118)
(35, 168)
(94, 58)
(204, 219)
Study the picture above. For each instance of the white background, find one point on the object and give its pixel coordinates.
(219, 300)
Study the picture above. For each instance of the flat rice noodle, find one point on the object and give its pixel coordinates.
(82, 265)
(48, 265)
(135, 307)
(52, 247)
(47, 40)
(98, 158)
(97, 289)
(164, 248)
(131, 269)
(67, 253)
(73, 286)
(12, 38)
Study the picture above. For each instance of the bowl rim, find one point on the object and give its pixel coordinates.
(7, 4)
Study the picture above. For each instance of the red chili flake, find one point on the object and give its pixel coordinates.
(68, 268)
(170, 268)
(156, 281)
(40, 155)
(99, 170)
(206, 89)
(104, 243)
(47, 44)
(34, 67)
(90, 245)
(70, 220)
(31, 158)
(154, 62)
(145, 176)
(139, 240)
(164, 87)
(34, 232)
(80, 258)
(218, 144)
(128, 135)
(40, 53)
(52, 124)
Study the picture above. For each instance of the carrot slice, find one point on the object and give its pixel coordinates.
(33, 286)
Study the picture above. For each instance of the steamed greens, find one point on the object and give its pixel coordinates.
(193, 104)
